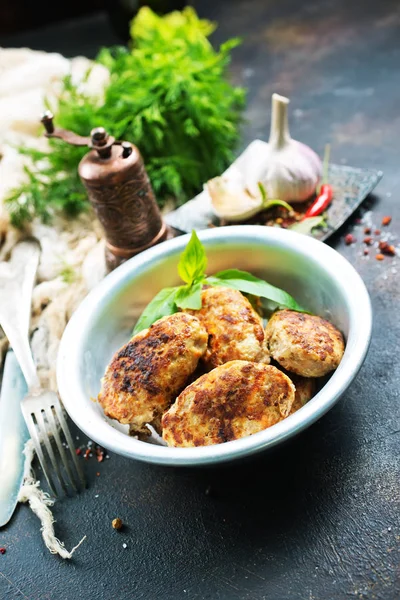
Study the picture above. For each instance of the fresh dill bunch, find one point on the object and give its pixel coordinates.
(168, 94)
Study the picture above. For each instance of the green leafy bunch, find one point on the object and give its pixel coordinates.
(168, 94)
(192, 270)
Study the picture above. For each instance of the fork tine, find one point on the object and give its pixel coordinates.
(38, 448)
(51, 420)
(67, 435)
(45, 436)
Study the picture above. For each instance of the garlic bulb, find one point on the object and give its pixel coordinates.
(289, 170)
(230, 199)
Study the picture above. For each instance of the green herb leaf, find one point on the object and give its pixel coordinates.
(266, 204)
(193, 261)
(272, 203)
(162, 305)
(192, 265)
(68, 274)
(247, 283)
(263, 191)
(189, 296)
(309, 224)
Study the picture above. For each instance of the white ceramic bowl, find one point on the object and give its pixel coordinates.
(316, 275)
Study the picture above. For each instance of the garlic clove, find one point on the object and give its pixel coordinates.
(288, 169)
(230, 199)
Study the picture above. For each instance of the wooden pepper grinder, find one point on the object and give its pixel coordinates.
(119, 189)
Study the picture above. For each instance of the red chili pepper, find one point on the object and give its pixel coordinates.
(321, 203)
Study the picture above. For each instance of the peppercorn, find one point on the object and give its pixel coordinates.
(78, 451)
(379, 257)
(367, 230)
(349, 239)
(366, 251)
(117, 523)
(99, 454)
(386, 221)
(386, 248)
(377, 232)
(3, 550)
(368, 240)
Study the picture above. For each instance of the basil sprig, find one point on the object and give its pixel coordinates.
(247, 283)
(192, 270)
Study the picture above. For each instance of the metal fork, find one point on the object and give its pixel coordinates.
(41, 408)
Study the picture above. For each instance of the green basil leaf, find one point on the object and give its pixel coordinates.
(309, 224)
(189, 296)
(247, 283)
(193, 261)
(162, 305)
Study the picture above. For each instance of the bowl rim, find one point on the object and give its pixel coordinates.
(96, 427)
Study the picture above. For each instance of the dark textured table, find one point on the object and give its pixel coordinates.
(317, 519)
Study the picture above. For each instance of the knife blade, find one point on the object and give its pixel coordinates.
(13, 436)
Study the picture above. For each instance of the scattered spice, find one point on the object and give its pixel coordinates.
(99, 454)
(117, 523)
(3, 550)
(384, 245)
(387, 249)
(124, 545)
(89, 450)
(98, 474)
(349, 239)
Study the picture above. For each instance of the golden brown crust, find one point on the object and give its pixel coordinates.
(305, 390)
(232, 401)
(235, 329)
(304, 344)
(147, 373)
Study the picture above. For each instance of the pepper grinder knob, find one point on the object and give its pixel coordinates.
(47, 120)
(101, 141)
(126, 149)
